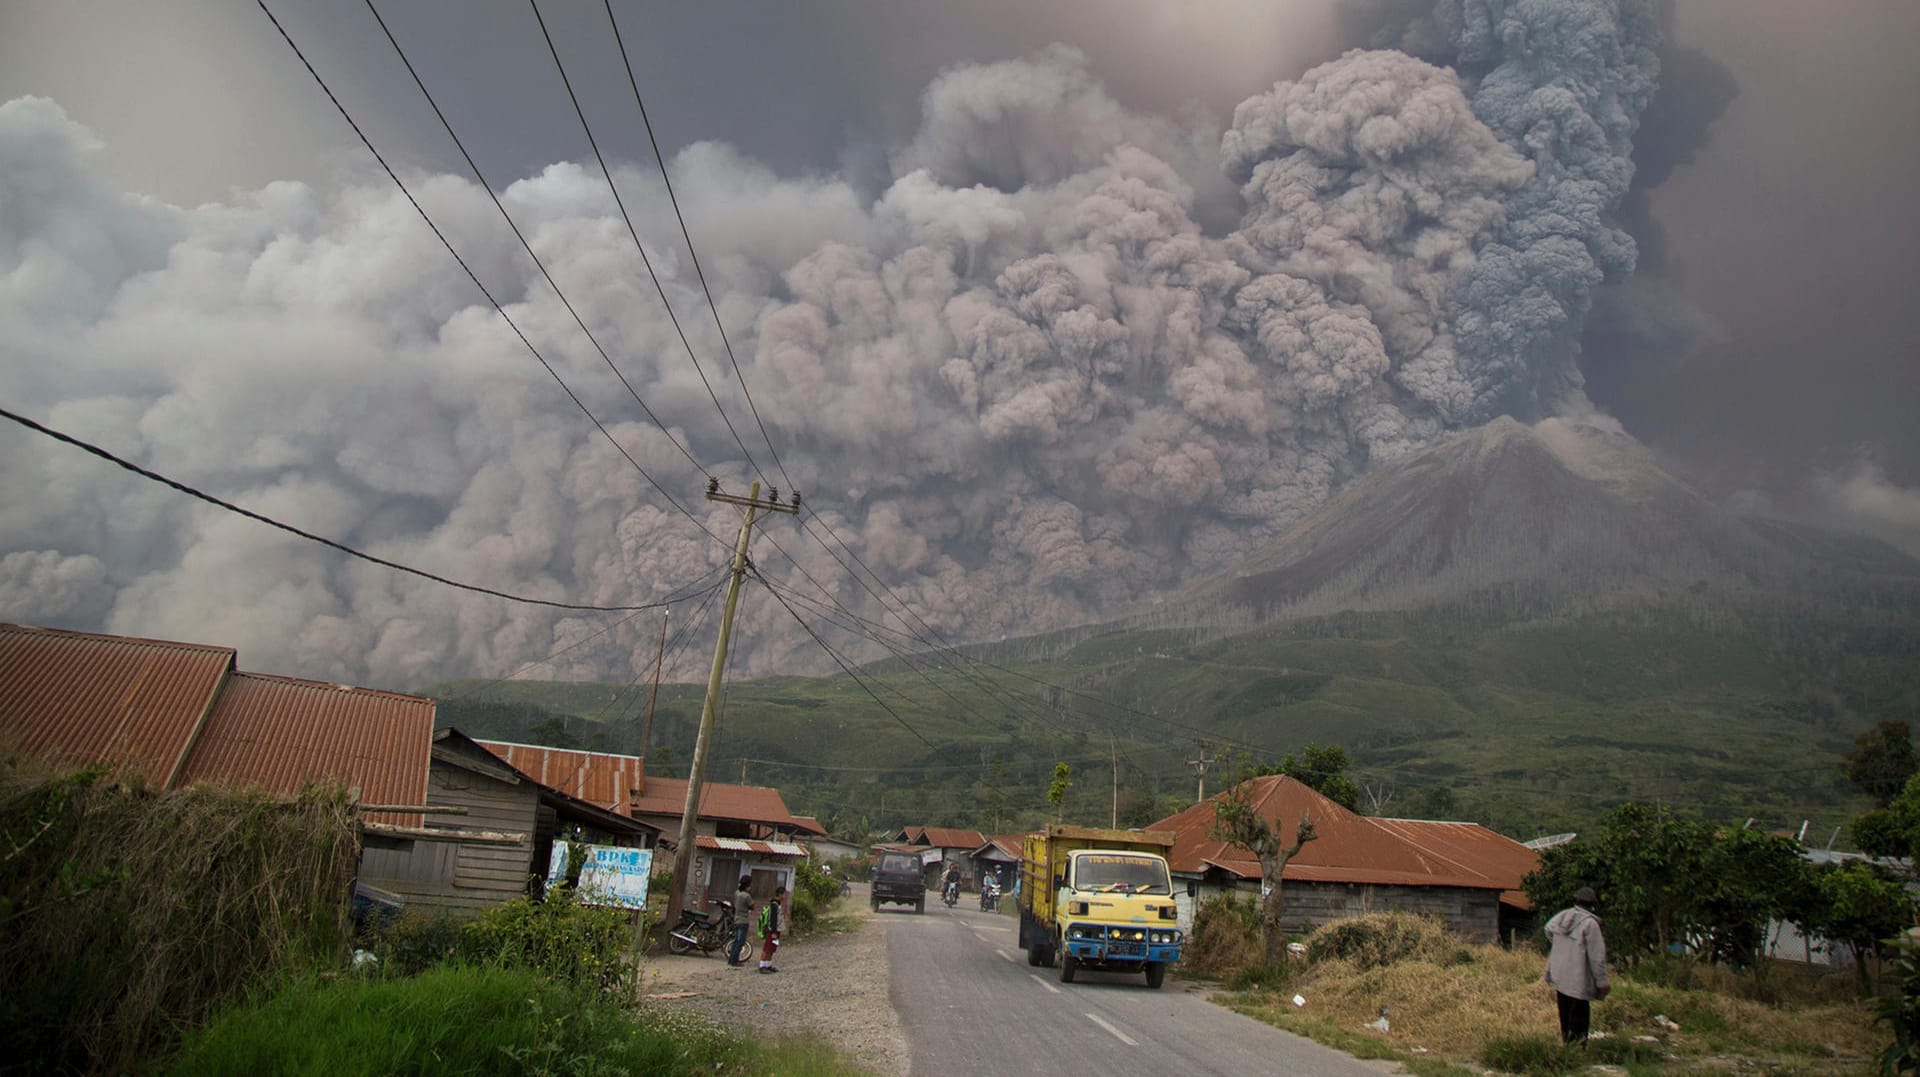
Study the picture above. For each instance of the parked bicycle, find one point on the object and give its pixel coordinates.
(702, 931)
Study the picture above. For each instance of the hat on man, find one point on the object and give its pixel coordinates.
(1585, 896)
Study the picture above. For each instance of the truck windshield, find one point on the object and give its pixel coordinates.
(1125, 874)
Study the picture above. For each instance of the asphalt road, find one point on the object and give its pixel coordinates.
(970, 1003)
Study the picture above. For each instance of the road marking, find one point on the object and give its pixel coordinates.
(1043, 983)
(1119, 1035)
(1004, 954)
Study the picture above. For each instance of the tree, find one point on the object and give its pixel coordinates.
(1057, 788)
(1883, 760)
(1236, 822)
(1860, 904)
(1647, 864)
(1749, 879)
(1892, 830)
(1323, 768)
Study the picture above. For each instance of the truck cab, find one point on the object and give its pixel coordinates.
(1099, 899)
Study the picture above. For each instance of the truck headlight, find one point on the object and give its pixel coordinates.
(1165, 938)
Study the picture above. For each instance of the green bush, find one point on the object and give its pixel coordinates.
(574, 944)
(804, 910)
(417, 941)
(450, 1021)
(1225, 937)
(817, 884)
(1380, 939)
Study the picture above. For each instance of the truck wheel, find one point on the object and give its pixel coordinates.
(876, 904)
(1069, 966)
(1156, 974)
(921, 905)
(1033, 956)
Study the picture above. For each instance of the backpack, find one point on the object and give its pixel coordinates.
(766, 917)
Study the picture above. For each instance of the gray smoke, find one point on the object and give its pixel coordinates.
(1025, 384)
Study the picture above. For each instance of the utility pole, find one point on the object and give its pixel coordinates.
(1200, 766)
(1115, 749)
(683, 882)
(646, 728)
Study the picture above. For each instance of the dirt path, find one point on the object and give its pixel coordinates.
(831, 985)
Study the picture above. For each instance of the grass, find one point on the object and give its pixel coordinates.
(1493, 1006)
(458, 1021)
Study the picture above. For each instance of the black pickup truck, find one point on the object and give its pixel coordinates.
(897, 881)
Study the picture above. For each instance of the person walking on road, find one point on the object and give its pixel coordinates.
(742, 922)
(1577, 964)
(770, 929)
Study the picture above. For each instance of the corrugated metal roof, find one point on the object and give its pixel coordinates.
(809, 825)
(946, 837)
(601, 778)
(742, 845)
(279, 733)
(1008, 844)
(1349, 847)
(75, 698)
(718, 800)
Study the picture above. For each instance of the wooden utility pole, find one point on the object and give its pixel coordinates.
(684, 885)
(1200, 766)
(646, 728)
(1115, 749)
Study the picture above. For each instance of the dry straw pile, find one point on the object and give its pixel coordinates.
(130, 915)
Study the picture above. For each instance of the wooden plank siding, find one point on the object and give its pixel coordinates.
(1473, 915)
(457, 877)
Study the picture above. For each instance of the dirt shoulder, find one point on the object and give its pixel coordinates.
(833, 984)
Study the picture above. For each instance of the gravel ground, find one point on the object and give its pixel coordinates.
(834, 986)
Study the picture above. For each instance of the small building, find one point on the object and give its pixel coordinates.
(948, 845)
(1463, 874)
(822, 847)
(998, 856)
(738, 829)
(498, 845)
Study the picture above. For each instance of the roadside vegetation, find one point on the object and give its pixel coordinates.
(207, 932)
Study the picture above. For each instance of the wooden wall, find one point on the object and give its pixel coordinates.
(1473, 915)
(460, 877)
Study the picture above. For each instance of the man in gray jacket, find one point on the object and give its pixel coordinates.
(1577, 965)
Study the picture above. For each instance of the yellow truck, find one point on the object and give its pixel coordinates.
(1099, 899)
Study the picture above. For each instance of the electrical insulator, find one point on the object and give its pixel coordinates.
(713, 485)
(773, 494)
(796, 501)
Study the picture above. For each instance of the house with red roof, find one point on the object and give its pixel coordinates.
(939, 846)
(1460, 873)
(998, 856)
(738, 829)
(181, 714)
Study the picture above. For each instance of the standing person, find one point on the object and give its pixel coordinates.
(770, 929)
(1577, 965)
(742, 922)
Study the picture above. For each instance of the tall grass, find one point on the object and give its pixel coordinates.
(129, 914)
(1482, 1003)
(474, 1021)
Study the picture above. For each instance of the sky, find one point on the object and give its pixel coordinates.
(1046, 309)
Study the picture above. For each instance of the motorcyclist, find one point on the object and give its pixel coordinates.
(989, 892)
(950, 885)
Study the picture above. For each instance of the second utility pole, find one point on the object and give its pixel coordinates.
(684, 885)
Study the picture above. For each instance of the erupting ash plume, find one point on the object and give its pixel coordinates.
(1023, 383)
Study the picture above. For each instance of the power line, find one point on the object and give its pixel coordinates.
(474, 277)
(694, 256)
(310, 536)
(848, 670)
(644, 260)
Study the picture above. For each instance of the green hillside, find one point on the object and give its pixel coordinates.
(1532, 727)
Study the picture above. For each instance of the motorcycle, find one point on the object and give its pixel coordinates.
(989, 896)
(702, 931)
(952, 894)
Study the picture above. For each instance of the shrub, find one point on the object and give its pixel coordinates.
(817, 884)
(1261, 977)
(449, 1020)
(804, 909)
(417, 941)
(577, 945)
(1380, 939)
(1225, 937)
(131, 914)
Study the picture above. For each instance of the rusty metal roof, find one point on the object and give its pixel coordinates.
(1473, 848)
(946, 837)
(1349, 847)
(809, 825)
(718, 800)
(745, 845)
(279, 733)
(76, 698)
(601, 778)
